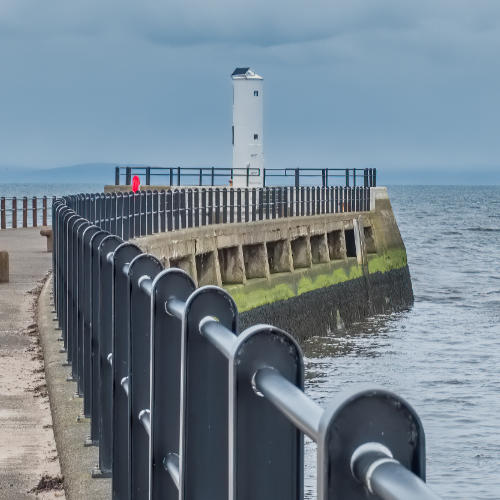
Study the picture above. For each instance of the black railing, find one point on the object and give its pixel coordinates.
(185, 406)
(147, 212)
(217, 176)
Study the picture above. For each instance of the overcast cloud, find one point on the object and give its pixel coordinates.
(351, 83)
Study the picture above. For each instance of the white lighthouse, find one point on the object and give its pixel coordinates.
(248, 152)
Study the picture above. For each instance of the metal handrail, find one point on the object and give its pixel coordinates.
(366, 177)
(200, 410)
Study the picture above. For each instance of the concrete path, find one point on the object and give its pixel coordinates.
(70, 429)
(27, 447)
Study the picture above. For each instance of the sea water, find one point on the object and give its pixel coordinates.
(443, 354)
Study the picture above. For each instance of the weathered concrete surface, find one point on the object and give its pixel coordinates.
(70, 431)
(27, 446)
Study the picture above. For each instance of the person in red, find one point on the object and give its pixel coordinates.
(136, 182)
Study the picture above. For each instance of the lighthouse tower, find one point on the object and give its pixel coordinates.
(248, 153)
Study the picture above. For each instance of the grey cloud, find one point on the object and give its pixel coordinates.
(260, 22)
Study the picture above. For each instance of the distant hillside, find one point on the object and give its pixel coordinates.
(102, 173)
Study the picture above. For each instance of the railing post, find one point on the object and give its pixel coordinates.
(169, 209)
(162, 211)
(196, 208)
(238, 203)
(143, 213)
(14, 212)
(374, 177)
(347, 177)
(128, 176)
(84, 340)
(261, 204)
(149, 212)
(78, 305)
(122, 256)
(25, 211)
(113, 223)
(367, 416)
(117, 176)
(217, 205)
(204, 455)
(155, 211)
(183, 208)
(254, 204)
(3, 224)
(34, 211)
(92, 341)
(260, 438)
(297, 177)
(104, 352)
(212, 178)
(231, 205)
(175, 210)
(178, 176)
(210, 207)
(143, 267)
(224, 205)
(148, 176)
(44, 212)
(166, 343)
(189, 207)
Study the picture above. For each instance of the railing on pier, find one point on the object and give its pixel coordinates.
(148, 212)
(25, 212)
(217, 176)
(185, 406)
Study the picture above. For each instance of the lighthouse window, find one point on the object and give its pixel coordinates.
(255, 137)
(256, 93)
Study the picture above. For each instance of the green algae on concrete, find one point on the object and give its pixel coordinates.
(282, 286)
(394, 258)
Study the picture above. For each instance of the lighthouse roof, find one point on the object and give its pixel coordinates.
(245, 74)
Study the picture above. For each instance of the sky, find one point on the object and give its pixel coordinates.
(398, 85)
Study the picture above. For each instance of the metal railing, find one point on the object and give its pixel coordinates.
(148, 212)
(219, 176)
(25, 212)
(185, 406)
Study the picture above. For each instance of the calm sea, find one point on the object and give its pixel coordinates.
(443, 355)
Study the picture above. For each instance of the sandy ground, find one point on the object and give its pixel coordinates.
(27, 446)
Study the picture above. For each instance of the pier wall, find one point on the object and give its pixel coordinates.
(308, 275)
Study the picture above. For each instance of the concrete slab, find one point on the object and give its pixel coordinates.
(27, 448)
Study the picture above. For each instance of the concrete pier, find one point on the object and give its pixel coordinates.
(27, 447)
(328, 270)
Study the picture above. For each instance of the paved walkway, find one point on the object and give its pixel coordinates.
(27, 446)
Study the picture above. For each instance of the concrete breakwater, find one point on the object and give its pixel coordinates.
(307, 275)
